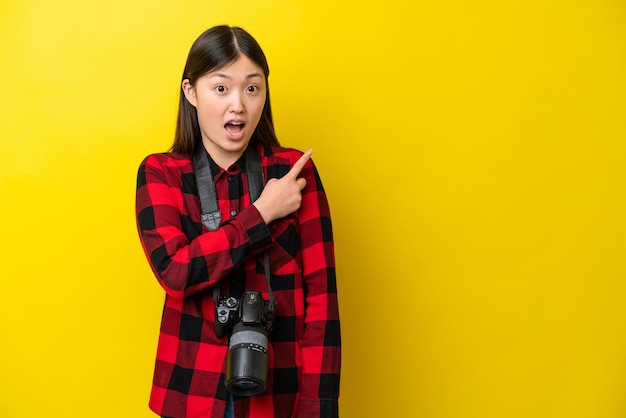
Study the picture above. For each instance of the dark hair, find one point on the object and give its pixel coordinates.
(214, 49)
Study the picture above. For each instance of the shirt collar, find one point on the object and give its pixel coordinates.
(217, 172)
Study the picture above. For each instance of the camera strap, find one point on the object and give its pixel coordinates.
(210, 211)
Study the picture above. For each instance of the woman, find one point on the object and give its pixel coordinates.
(224, 113)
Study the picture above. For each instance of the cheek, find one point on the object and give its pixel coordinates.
(259, 109)
(208, 119)
(208, 110)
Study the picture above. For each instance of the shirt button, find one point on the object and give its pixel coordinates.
(230, 178)
(233, 212)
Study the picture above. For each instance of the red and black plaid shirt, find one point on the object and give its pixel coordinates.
(188, 261)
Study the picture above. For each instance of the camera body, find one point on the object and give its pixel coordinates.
(251, 319)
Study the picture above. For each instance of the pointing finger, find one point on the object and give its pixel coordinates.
(297, 167)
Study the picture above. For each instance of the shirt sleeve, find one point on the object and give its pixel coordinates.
(185, 266)
(321, 346)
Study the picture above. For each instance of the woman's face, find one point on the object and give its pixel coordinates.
(229, 102)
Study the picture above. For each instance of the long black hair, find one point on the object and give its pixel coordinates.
(217, 48)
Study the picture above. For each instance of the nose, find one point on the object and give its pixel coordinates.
(236, 104)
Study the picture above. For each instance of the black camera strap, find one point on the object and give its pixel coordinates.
(211, 215)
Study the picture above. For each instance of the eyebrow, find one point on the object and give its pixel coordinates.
(222, 75)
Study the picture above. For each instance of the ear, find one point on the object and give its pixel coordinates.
(190, 92)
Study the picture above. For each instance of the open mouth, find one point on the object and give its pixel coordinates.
(234, 128)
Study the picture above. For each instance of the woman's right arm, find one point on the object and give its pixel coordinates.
(185, 266)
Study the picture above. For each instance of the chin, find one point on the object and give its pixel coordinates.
(239, 145)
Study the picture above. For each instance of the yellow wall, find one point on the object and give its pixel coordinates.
(473, 153)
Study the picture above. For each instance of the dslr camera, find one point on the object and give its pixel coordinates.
(251, 319)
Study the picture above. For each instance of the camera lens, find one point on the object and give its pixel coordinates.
(247, 362)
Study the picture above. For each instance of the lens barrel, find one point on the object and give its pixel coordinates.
(247, 362)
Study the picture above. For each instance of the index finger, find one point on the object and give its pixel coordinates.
(297, 167)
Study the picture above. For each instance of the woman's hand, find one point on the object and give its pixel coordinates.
(283, 196)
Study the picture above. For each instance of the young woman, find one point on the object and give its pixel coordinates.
(225, 119)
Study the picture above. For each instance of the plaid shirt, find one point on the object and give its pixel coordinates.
(188, 261)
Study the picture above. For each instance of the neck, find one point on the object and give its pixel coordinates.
(224, 159)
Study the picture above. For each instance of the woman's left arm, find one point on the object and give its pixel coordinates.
(321, 346)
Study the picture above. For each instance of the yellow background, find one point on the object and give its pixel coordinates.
(473, 154)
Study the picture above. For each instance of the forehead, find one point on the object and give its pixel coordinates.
(240, 67)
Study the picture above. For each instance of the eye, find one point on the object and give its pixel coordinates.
(252, 89)
(220, 89)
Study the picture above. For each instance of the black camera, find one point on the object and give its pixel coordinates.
(247, 363)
